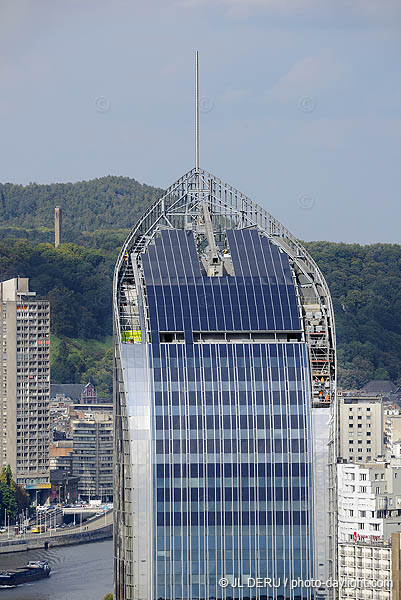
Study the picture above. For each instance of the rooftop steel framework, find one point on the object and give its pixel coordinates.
(183, 207)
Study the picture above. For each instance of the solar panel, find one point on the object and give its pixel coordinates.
(260, 296)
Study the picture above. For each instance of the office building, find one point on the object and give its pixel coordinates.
(25, 385)
(224, 348)
(361, 428)
(92, 458)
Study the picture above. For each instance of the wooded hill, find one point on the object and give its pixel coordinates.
(106, 203)
(365, 281)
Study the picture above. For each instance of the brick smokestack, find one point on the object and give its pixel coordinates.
(58, 227)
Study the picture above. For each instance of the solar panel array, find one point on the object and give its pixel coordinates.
(260, 296)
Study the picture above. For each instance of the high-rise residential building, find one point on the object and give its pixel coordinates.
(361, 428)
(393, 433)
(92, 458)
(366, 569)
(369, 525)
(369, 501)
(224, 356)
(25, 384)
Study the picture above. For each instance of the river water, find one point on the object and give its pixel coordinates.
(82, 572)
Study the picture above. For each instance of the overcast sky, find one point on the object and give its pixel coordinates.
(300, 101)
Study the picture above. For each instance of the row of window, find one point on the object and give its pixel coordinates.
(241, 355)
(244, 494)
(275, 469)
(233, 518)
(228, 446)
(212, 539)
(362, 489)
(238, 360)
(222, 373)
(363, 476)
(245, 385)
(173, 400)
(230, 422)
(369, 526)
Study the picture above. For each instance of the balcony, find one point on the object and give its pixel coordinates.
(381, 503)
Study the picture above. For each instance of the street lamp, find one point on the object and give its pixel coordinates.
(7, 518)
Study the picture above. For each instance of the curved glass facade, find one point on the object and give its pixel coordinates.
(214, 408)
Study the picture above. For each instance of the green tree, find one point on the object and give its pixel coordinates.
(7, 476)
(8, 494)
(22, 498)
(102, 203)
(382, 373)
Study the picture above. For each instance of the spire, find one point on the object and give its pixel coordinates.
(196, 112)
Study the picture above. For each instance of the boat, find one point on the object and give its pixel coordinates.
(35, 569)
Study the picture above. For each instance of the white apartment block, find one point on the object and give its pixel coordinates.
(25, 384)
(361, 428)
(365, 570)
(369, 501)
(370, 570)
(393, 433)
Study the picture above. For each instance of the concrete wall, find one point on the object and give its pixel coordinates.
(51, 541)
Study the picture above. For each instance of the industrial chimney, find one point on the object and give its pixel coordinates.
(58, 226)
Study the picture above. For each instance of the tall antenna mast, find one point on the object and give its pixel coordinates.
(196, 112)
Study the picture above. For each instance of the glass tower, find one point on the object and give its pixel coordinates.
(224, 352)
